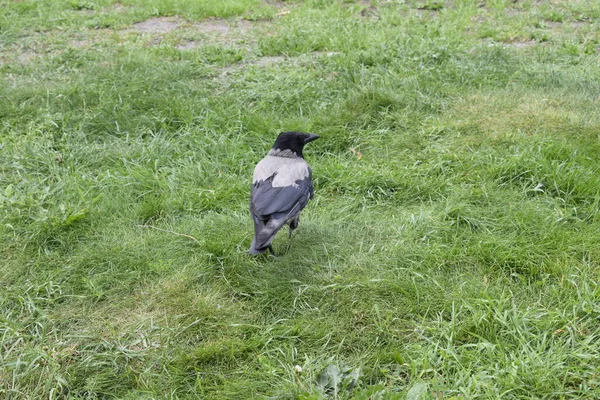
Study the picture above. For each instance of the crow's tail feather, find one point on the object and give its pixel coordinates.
(264, 234)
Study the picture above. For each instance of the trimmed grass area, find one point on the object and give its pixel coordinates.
(451, 251)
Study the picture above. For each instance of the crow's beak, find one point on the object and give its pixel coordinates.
(310, 137)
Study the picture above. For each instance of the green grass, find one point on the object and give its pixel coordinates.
(451, 250)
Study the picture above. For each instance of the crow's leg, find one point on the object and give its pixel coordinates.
(271, 250)
(293, 225)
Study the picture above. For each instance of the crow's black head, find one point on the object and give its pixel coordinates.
(293, 141)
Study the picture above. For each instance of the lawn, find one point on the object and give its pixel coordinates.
(451, 250)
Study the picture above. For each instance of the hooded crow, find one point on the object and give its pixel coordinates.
(281, 188)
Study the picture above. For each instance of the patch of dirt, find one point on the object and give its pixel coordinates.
(276, 3)
(423, 12)
(189, 45)
(553, 24)
(118, 7)
(157, 25)
(243, 25)
(232, 33)
(578, 24)
(511, 12)
(479, 18)
(268, 60)
(25, 57)
(259, 62)
(325, 53)
(521, 44)
(22, 57)
(236, 33)
(213, 26)
(80, 44)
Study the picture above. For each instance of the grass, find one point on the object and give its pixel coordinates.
(451, 251)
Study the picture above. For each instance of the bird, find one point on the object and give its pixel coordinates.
(281, 188)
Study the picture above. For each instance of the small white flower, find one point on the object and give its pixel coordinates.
(298, 369)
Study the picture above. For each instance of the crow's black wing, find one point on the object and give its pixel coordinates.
(267, 200)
